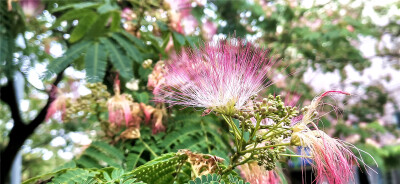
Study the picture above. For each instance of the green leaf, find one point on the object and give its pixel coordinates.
(83, 26)
(138, 42)
(121, 62)
(73, 176)
(70, 15)
(108, 7)
(128, 47)
(116, 21)
(159, 170)
(179, 38)
(70, 55)
(98, 28)
(76, 6)
(96, 62)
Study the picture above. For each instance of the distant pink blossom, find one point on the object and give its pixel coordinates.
(31, 8)
(127, 14)
(59, 105)
(209, 29)
(219, 74)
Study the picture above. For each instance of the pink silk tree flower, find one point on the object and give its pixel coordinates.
(220, 76)
(255, 174)
(333, 159)
(120, 106)
(31, 8)
(59, 105)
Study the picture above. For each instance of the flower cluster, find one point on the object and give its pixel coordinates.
(225, 77)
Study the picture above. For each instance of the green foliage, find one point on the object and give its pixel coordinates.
(100, 154)
(161, 169)
(216, 179)
(73, 176)
(70, 55)
(95, 62)
(188, 131)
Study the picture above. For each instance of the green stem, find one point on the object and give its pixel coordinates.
(148, 147)
(265, 147)
(235, 130)
(256, 128)
(231, 167)
(290, 155)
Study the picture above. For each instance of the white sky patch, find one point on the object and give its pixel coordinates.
(79, 138)
(56, 49)
(58, 141)
(66, 155)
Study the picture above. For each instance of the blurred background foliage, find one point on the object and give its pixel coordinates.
(348, 45)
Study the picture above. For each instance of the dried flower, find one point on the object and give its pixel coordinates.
(156, 78)
(120, 106)
(220, 76)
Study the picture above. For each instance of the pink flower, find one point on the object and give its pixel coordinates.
(255, 174)
(148, 111)
(59, 105)
(127, 14)
(220, 76)
(158, 125)
(31, 8)
(156, 78)
(120, 106)
(180, 17)
(209, 29)
(333, 160)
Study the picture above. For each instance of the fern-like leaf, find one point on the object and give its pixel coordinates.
(128, 47)
(217, 179)
(73, 176)
(101, 154)
(59, 64)
(96, 62)
(83, 25)
(159, 170)
(121, 62)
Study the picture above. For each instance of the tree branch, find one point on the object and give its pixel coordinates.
(20, 131)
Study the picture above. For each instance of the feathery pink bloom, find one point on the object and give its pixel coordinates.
(333, 160)
(219, 75)
(120, 106)
(255, 174)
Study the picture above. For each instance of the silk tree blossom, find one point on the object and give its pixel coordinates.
(220, 76)
(333, 159)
